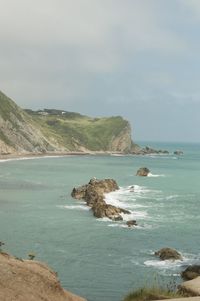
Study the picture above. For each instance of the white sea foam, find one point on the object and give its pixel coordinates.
(103, 219)
(28, 158)
(35, 158)
(134, 215)
(171, 264)
(74, 207)
(167, 264)
(154, 175)
(171, 197)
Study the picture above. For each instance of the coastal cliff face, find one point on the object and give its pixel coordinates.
(18, 133)
(122, 142)
(23, 280)
(46, 131)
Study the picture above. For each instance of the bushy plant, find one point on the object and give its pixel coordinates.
(1, 244)
(152, 293)
(31, 256)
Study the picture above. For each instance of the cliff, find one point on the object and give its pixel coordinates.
(50, 130)
(18, 132)
(23, 280)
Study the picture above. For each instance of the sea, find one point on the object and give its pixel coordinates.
(100, 259)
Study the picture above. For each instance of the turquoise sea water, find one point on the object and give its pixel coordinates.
(100, 259)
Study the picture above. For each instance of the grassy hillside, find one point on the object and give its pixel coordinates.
(8, 107)
(74, 130)
(18, 132)
(52, 130)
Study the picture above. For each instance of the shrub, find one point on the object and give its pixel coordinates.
(152, 293)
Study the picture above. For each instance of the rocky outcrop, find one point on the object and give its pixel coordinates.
(191, 272)
(148, 151)
(143, 172)
(93, 194)
(28, 280)
(178, 152)
(168, 254)
(191, 287)
(131, 223)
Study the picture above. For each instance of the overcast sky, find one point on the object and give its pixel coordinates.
(135, 58)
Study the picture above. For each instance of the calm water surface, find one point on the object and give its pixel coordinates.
(99, 259)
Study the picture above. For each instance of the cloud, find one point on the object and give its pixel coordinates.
(99, 57)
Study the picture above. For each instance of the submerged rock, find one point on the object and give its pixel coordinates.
(191, 272)
(168, 253)
(131, 223)
(178, 152)
(143, 172)
(93, 194)
(148, 151)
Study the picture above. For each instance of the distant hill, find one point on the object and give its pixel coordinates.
(51, 130)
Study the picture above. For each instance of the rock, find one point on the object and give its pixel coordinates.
(131, 223)
(191, 272)
(79, 193)
(101, 209)
(143, 172)
(148, 150)
(24, 280)
(93, 194)
(191, 287)
(178, 152)
(168, 253)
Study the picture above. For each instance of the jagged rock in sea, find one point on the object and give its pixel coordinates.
(93, 194)
(168, 253)
(191, 272)
(101, 209)
(178, 152)
(79, 192)
(143, 172)
(24, 280)
(148, 151)
(131, 223)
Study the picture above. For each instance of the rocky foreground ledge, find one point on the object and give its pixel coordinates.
(28, 280)
(93, 194)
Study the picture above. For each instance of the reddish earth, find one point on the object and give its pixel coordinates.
(29, 280)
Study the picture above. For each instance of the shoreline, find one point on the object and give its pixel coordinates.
(22, 156)
(32, 155)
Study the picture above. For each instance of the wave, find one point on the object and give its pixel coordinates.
(161, 156)
(188, 259)
(155, 176)
(36, 157)
(75, 207)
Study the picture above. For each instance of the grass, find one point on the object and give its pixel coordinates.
(92, 133)
(152, 293)
(69, 130)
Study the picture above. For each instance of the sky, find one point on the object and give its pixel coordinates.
(136, 58)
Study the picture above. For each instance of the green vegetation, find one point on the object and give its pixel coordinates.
(1, 244)
(74, 130)
(9, 108)
(51, 129)
(31, 256)
(153, 293)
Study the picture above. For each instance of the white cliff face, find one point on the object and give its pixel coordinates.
(122, 142)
